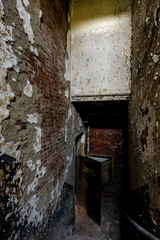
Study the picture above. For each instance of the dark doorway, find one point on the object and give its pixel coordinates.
(88, 187)
(108, 138)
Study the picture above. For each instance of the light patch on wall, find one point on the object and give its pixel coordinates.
(37, 145)
(14, 79)
(18, 176)
(40, 13)
(32, 49)
(67, 120)
(11, 149)
(55, 192)
(83, 139)
(26, 3)
(67, 93)
(30, 211)
(28, 90)
(31, 165)
(38, 174)
(20, 48)
(17, 69)
(32, 118)
(69, 161)
(156, 16)
(67, 74)
(1, 137)
(7, 61)
(25, 16)
(155, 58)
(6, 95)
(1, 9)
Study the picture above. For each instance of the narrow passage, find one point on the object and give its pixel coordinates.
(86, 229)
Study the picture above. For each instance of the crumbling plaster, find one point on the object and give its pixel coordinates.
(144, 118)
(100, 50)
(21, 124)
(15, 142)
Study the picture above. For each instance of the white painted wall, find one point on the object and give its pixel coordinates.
(100, 49)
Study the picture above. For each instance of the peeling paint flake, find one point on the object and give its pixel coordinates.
(5, 98)
(31, 166)
(25, 16)
(11, 149)
(39, 174)
(14, 79)
(30, 211)
(1, 9)
(40, 14)
(156, 16)
(155, 58)
(7, 61)
(26, 3)
(67, 93)
(28, 90)
(32, 118)
(32, 49)
(37, 145)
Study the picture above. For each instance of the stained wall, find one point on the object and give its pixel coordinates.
(144, 135)
(37, 121)
(100, 49)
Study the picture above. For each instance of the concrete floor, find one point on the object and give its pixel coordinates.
(86, 229)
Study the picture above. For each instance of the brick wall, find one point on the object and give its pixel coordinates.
(39, 125)
(49, 71)
(106, 141)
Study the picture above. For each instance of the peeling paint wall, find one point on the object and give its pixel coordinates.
(144, 155)
(38, 124)
(100, 49)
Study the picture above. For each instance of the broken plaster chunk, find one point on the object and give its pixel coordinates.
(1, 137)
(37, 145)
(20, 48)
(32, 118)
(30, 210)
(11, 149)
(155, 58)
(25, 16)
(14, 79)
(1, 9)
(28, 90)
(39, 174)
(156, 16)
(17, 69)
(67, 93)
(26, 3)
(36, 52)
(31, 166)
(5, 97)
(40, 14)
(147, 19)
(32, 49)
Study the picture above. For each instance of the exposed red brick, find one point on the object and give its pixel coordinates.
(106, 141)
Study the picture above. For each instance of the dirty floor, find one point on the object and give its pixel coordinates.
(86, 229)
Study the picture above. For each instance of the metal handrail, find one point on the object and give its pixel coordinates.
(141, 229)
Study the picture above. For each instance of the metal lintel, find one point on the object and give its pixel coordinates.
(100, 98)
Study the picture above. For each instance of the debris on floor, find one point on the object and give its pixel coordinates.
(86, 229)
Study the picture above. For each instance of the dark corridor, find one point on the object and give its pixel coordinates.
(108, 130)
